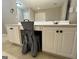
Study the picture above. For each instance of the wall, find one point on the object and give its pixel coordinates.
(32, 15)
(64, 8)
(51, 14)
(26, 14)
(73, 15)
(40, 16)
(29, 14)
(20, 15)
(7, 17)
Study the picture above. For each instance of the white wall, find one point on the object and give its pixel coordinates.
(26, 14)
(73, 15)
(32, 15)
(51, 14)
(20, 15)
(7, 17)
(40, 16)
(29, 14)
(64, 8)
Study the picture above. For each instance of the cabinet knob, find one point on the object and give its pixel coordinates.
(11, 28)
(61, 31)
(57, 31)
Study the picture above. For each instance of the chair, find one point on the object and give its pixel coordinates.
(29, 41)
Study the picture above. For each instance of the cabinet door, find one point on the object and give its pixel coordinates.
(58, 40)
(13, 34)
(48, 39)
(67, 38)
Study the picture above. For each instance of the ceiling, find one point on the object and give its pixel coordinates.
(42, 4)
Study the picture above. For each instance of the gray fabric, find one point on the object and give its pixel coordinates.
(28, 26)
(31, 41)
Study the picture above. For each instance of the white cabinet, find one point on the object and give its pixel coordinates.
(66, 41)
(48, 36)
(13, 34)
(58, 40)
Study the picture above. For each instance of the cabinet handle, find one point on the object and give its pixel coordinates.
(61, 31)
(57, 31)
(11, 28)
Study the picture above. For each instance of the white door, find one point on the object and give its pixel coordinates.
(13, 34)
(66, 41)
(48, 39)
(58, 41)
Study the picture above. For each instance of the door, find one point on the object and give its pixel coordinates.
(13, 34)
(48, 39)
(58, 41)
(66, 41)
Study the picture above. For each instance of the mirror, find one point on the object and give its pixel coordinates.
(43, 10)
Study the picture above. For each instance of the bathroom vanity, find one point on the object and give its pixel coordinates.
(56, 38)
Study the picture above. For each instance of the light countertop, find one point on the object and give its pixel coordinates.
(46, 24)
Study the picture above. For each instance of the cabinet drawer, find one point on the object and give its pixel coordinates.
(13, 34)
(12, 28)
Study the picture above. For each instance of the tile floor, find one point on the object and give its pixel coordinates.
(14, 52)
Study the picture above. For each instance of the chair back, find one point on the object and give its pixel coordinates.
(28, 25)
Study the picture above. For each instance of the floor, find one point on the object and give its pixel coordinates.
(14, 52)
